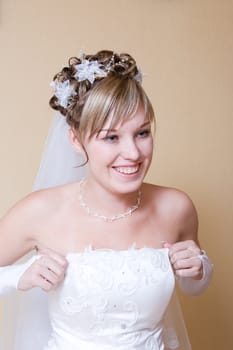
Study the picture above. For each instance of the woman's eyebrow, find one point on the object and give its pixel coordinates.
(144, 124)
(115, 130)
(107, 130)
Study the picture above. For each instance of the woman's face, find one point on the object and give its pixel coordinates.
(118, 159)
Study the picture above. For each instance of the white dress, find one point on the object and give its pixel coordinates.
(112, 300)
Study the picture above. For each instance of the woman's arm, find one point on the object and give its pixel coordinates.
(193, 271)
(191, 265)
(11, 275)
(16, 228)
(45, 270)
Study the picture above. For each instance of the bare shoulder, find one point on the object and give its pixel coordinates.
(176, 207)
(36, 204)
(169, 196)
(20, 226)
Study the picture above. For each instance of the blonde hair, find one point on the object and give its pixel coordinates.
(119, 94)
(116, 98)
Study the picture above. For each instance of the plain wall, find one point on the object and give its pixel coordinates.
(185, 49)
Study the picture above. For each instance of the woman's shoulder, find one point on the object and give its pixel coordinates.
(165, 191)
(169, 198)
(41, 201)
(174, 208)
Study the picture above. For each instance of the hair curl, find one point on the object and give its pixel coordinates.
(118, 94)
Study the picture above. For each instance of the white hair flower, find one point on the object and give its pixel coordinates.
(138, 77)
(63, 91)
(89, 70)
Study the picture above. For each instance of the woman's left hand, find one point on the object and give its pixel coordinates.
(186, 259)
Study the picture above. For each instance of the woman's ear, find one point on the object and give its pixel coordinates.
(73, 138)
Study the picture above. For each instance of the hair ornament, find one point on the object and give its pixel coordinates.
(89, 70)
(138, 77)
(63, 91)
(111, 62)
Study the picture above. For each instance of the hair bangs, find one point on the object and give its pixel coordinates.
(113, 100)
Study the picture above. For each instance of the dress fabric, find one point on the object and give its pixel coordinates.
(112, 300)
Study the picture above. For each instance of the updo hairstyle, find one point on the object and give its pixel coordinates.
(117, 94)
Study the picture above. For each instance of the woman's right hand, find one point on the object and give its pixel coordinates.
(45, 272)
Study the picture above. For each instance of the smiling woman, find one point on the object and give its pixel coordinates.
(119, 158)
(110, 246)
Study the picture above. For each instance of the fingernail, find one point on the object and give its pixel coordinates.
(164, 244)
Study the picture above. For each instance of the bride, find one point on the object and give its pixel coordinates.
(110, 246)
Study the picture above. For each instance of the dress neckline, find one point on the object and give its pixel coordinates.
(90, 249)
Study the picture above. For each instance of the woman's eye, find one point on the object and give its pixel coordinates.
(111, 138)
(144, 133)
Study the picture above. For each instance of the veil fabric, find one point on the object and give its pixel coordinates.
(24, 321)
(60, 163)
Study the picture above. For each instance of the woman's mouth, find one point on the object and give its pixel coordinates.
(127, 170)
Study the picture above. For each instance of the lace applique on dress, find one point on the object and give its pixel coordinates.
(112, 300)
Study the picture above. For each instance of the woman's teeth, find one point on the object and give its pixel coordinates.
(127, 170)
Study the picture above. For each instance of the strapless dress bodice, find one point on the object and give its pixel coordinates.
(112, 300)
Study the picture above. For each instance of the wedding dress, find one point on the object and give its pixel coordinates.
(109, 299)
(112, 300)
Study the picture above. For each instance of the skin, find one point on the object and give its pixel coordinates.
(53, 221)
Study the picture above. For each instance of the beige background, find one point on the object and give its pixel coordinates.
(186, 51)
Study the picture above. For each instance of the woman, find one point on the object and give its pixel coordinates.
(109, 245)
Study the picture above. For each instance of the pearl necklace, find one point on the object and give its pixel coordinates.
(90, 212)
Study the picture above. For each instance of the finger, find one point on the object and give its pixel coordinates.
(59, 258)
(53, 264)
(185, 254)
(191, 272)
(49, 275)
(166, 244)
(188, 264)
(180, 255)
(43, 284)
(189, 244)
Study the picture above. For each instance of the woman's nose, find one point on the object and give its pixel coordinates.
(130, 150)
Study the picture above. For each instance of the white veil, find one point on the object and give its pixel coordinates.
(60, 163)
(24, 321)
